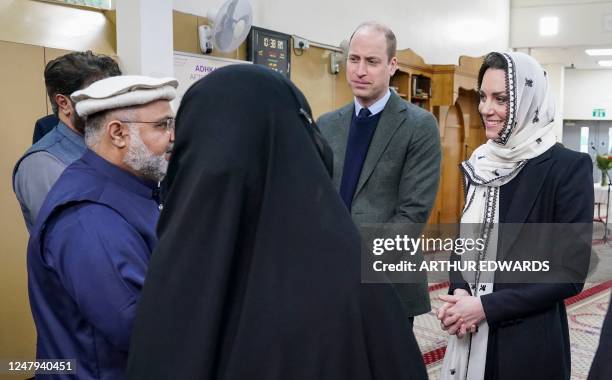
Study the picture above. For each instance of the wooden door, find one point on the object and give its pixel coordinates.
(460, 133)
(22, 102)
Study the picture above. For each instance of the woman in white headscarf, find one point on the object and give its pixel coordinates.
(500, 329)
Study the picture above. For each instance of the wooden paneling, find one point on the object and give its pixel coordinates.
(185, 32)
(441, 88)
(342, 91)
(469, 65)
(461, 132)
(22, 102)
(310, 73)
(473, 130)
(452, 151)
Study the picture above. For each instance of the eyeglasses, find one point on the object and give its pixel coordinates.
(167, 124)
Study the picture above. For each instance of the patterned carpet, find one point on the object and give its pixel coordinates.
(586, 312)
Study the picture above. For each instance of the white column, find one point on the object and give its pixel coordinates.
(144, 37)
(556, 81)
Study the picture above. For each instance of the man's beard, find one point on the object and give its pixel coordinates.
(140, 159)
(78, 123)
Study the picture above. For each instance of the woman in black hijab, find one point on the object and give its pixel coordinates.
(257, 271)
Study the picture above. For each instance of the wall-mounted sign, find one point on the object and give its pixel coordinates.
(599, 112)
(271, 49)
(189, 68)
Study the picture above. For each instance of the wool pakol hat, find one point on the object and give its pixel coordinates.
(122, 91)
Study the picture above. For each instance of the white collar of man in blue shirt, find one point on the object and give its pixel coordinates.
(375, 108)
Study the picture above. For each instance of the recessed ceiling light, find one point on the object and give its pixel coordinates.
(549, 26)
(605, 63)
(597, 52)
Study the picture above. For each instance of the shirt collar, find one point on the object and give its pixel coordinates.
(122, 177)
(71, 134)
(375, 108)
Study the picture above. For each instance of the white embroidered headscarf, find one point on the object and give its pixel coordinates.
(527, 133)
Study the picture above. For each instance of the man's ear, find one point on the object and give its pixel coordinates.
(393, 65)
(64, 106)
(119, 133)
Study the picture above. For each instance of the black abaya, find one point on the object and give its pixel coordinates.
(601, 368)
(257, 271)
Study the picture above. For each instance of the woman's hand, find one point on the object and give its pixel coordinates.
(442, 312)
(446, 305)
(461, 292)
(461, 314)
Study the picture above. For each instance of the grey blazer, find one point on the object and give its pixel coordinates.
(400, 175)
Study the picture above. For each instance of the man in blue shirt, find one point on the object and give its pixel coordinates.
(90, 247)
(41, 165)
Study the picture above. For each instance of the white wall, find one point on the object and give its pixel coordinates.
(438, 30)
(144, 37)
(585, 90)
(556, 82)
(581, 23)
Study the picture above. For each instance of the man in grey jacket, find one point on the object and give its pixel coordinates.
(41, 165)
(386, 150)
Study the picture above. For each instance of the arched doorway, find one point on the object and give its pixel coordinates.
(460, 132)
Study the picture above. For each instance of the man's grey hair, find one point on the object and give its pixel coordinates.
(94, 124)
(389, 36)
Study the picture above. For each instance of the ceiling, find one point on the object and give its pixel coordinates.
(591, 21)
(541, 3)
(570, 57)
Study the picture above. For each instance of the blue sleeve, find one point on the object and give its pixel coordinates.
(101, 261)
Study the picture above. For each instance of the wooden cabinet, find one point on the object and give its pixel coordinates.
(420, 91)
(449, 92)
(413, 79)
(400, 83)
